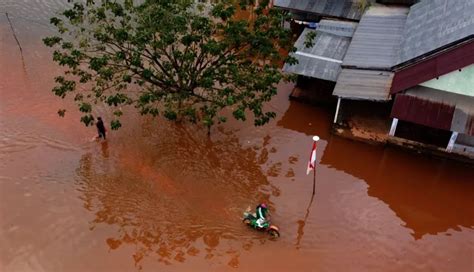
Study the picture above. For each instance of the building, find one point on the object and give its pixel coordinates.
(433, 82)
(319, 65)
(313, 10)
(305, 13)
(366, 69)
(412, 66)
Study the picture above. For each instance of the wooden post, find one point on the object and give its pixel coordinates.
(452, 141)
(394, 127)
(337, 109)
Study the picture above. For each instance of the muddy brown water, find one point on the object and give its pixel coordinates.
(163, 197)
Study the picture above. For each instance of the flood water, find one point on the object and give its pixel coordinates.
(164, 197)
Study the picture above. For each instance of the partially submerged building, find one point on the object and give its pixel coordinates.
(433, 83)
(366, 69)
(417, 62)
(324, 58)
(319, 65)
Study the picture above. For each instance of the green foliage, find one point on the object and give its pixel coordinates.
(87, 119)
(85, 107)
(309, 39)
(115, 124)
(170, 57)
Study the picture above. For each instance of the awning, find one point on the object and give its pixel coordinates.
(435, 108)
(364, 85)
(323, 60)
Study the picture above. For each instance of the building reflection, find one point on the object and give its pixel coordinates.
(430, 195)
(307, 119)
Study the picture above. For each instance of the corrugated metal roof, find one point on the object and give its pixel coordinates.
(322, 60)
(364, 84)
(420, 111)
(433, 24)
(335, 27)
(427, 106)
(462, 101)
(463, 121)
(343, 8)
(376, 41)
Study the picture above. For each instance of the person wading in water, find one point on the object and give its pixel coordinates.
(100, 128)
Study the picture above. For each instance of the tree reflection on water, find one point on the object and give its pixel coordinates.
(177, 196)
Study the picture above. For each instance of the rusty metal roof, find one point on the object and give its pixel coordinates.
(376, 41)
(436, 108)
(322, 60)
(349, 9)
(364, 84)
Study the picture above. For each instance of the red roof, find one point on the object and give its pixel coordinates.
(435, 108)
(423, 112)
(427, 69)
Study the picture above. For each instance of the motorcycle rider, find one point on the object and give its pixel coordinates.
(261, 212)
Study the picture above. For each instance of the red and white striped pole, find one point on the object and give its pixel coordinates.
(312, 162)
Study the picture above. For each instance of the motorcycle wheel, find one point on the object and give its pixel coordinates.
(246, 221)
(274, 233)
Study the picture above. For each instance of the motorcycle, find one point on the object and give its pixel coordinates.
(251, 220)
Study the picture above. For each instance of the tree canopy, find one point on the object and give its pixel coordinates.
(173, 58)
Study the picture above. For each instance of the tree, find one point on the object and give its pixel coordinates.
(172, 58)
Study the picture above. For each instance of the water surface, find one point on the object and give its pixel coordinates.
(161, 196)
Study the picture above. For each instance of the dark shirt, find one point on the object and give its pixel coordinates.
(100, 126)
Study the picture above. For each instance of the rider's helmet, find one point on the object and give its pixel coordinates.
(263, 205)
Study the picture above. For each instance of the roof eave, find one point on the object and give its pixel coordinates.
(446, 61)
(322, 15)
(433, 53)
